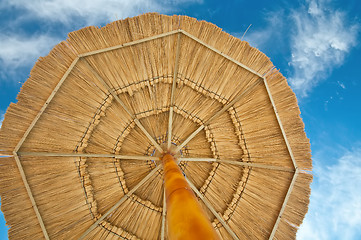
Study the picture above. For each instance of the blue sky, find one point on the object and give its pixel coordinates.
(315, 43)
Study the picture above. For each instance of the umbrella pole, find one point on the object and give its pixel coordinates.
(185, 217)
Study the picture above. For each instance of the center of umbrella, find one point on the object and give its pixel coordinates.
(183, 210)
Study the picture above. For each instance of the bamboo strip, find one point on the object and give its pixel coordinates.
(284, 204)
(222, 54)
(170, 121)
(207, 77)
(280, 124)
(92, 155)
(61, 207)
(100, 79)
(129, 44)
(123, 105)
(176, 66)
(156, 145)
(233, 162)
(292, 123)
(236, 99)
(260, 202)
(225, 108)
(297, 203)
(225, 225)
(95, 224)
(189, 138)
(46, 104)
(30, 194)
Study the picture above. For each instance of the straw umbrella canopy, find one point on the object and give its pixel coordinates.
(84, 139)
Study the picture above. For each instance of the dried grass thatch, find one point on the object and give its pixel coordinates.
(85, 136)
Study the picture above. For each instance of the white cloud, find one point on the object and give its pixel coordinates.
(2, 115)
(335, 205)
(18, 51)
(53, 19)
(321, 41)
(271, 31)
(90, 12)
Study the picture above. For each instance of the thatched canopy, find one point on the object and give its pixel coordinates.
(85, 137)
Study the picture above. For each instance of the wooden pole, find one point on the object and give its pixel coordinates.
(186, 218)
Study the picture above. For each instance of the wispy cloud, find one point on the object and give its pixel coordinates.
(90, 12)
(2, 115)
(53, 19)
(322, 39)
(270, 33)
(314, 36)
(335, 205)
(18, 51)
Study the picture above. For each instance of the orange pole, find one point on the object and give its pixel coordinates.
(186, 218)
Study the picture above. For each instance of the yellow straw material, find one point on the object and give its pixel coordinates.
(109, 91)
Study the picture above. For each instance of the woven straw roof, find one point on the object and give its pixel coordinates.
(85, 137)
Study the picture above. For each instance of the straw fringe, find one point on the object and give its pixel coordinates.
(296, 208)
(233, 47)
(13, 198)
(261, 130)
(265, 185)
(83, 117)
(43, 78)
(284, 99)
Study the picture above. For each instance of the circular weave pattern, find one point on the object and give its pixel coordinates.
(205, 145)
(92, 121)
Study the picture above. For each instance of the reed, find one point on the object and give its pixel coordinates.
(88, 95)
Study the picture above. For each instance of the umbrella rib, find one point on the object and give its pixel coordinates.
(66, 74)
(289, 191)
(233, 162)
(113, 93)
(163, 216)
(190, 137)
(176, 65)
(221, 53)
(275, 111)
(236, 99)
(280, 124)
(46, 104)
(155, 144)
(30, 194)
(170, 122)
(217, 114)
(92, 155)
(28, 130)
(95, 224)
(129, 43)
(284, 204)
(16, 154)
(210, 207)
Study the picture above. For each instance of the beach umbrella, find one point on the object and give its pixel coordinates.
(114, 114)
